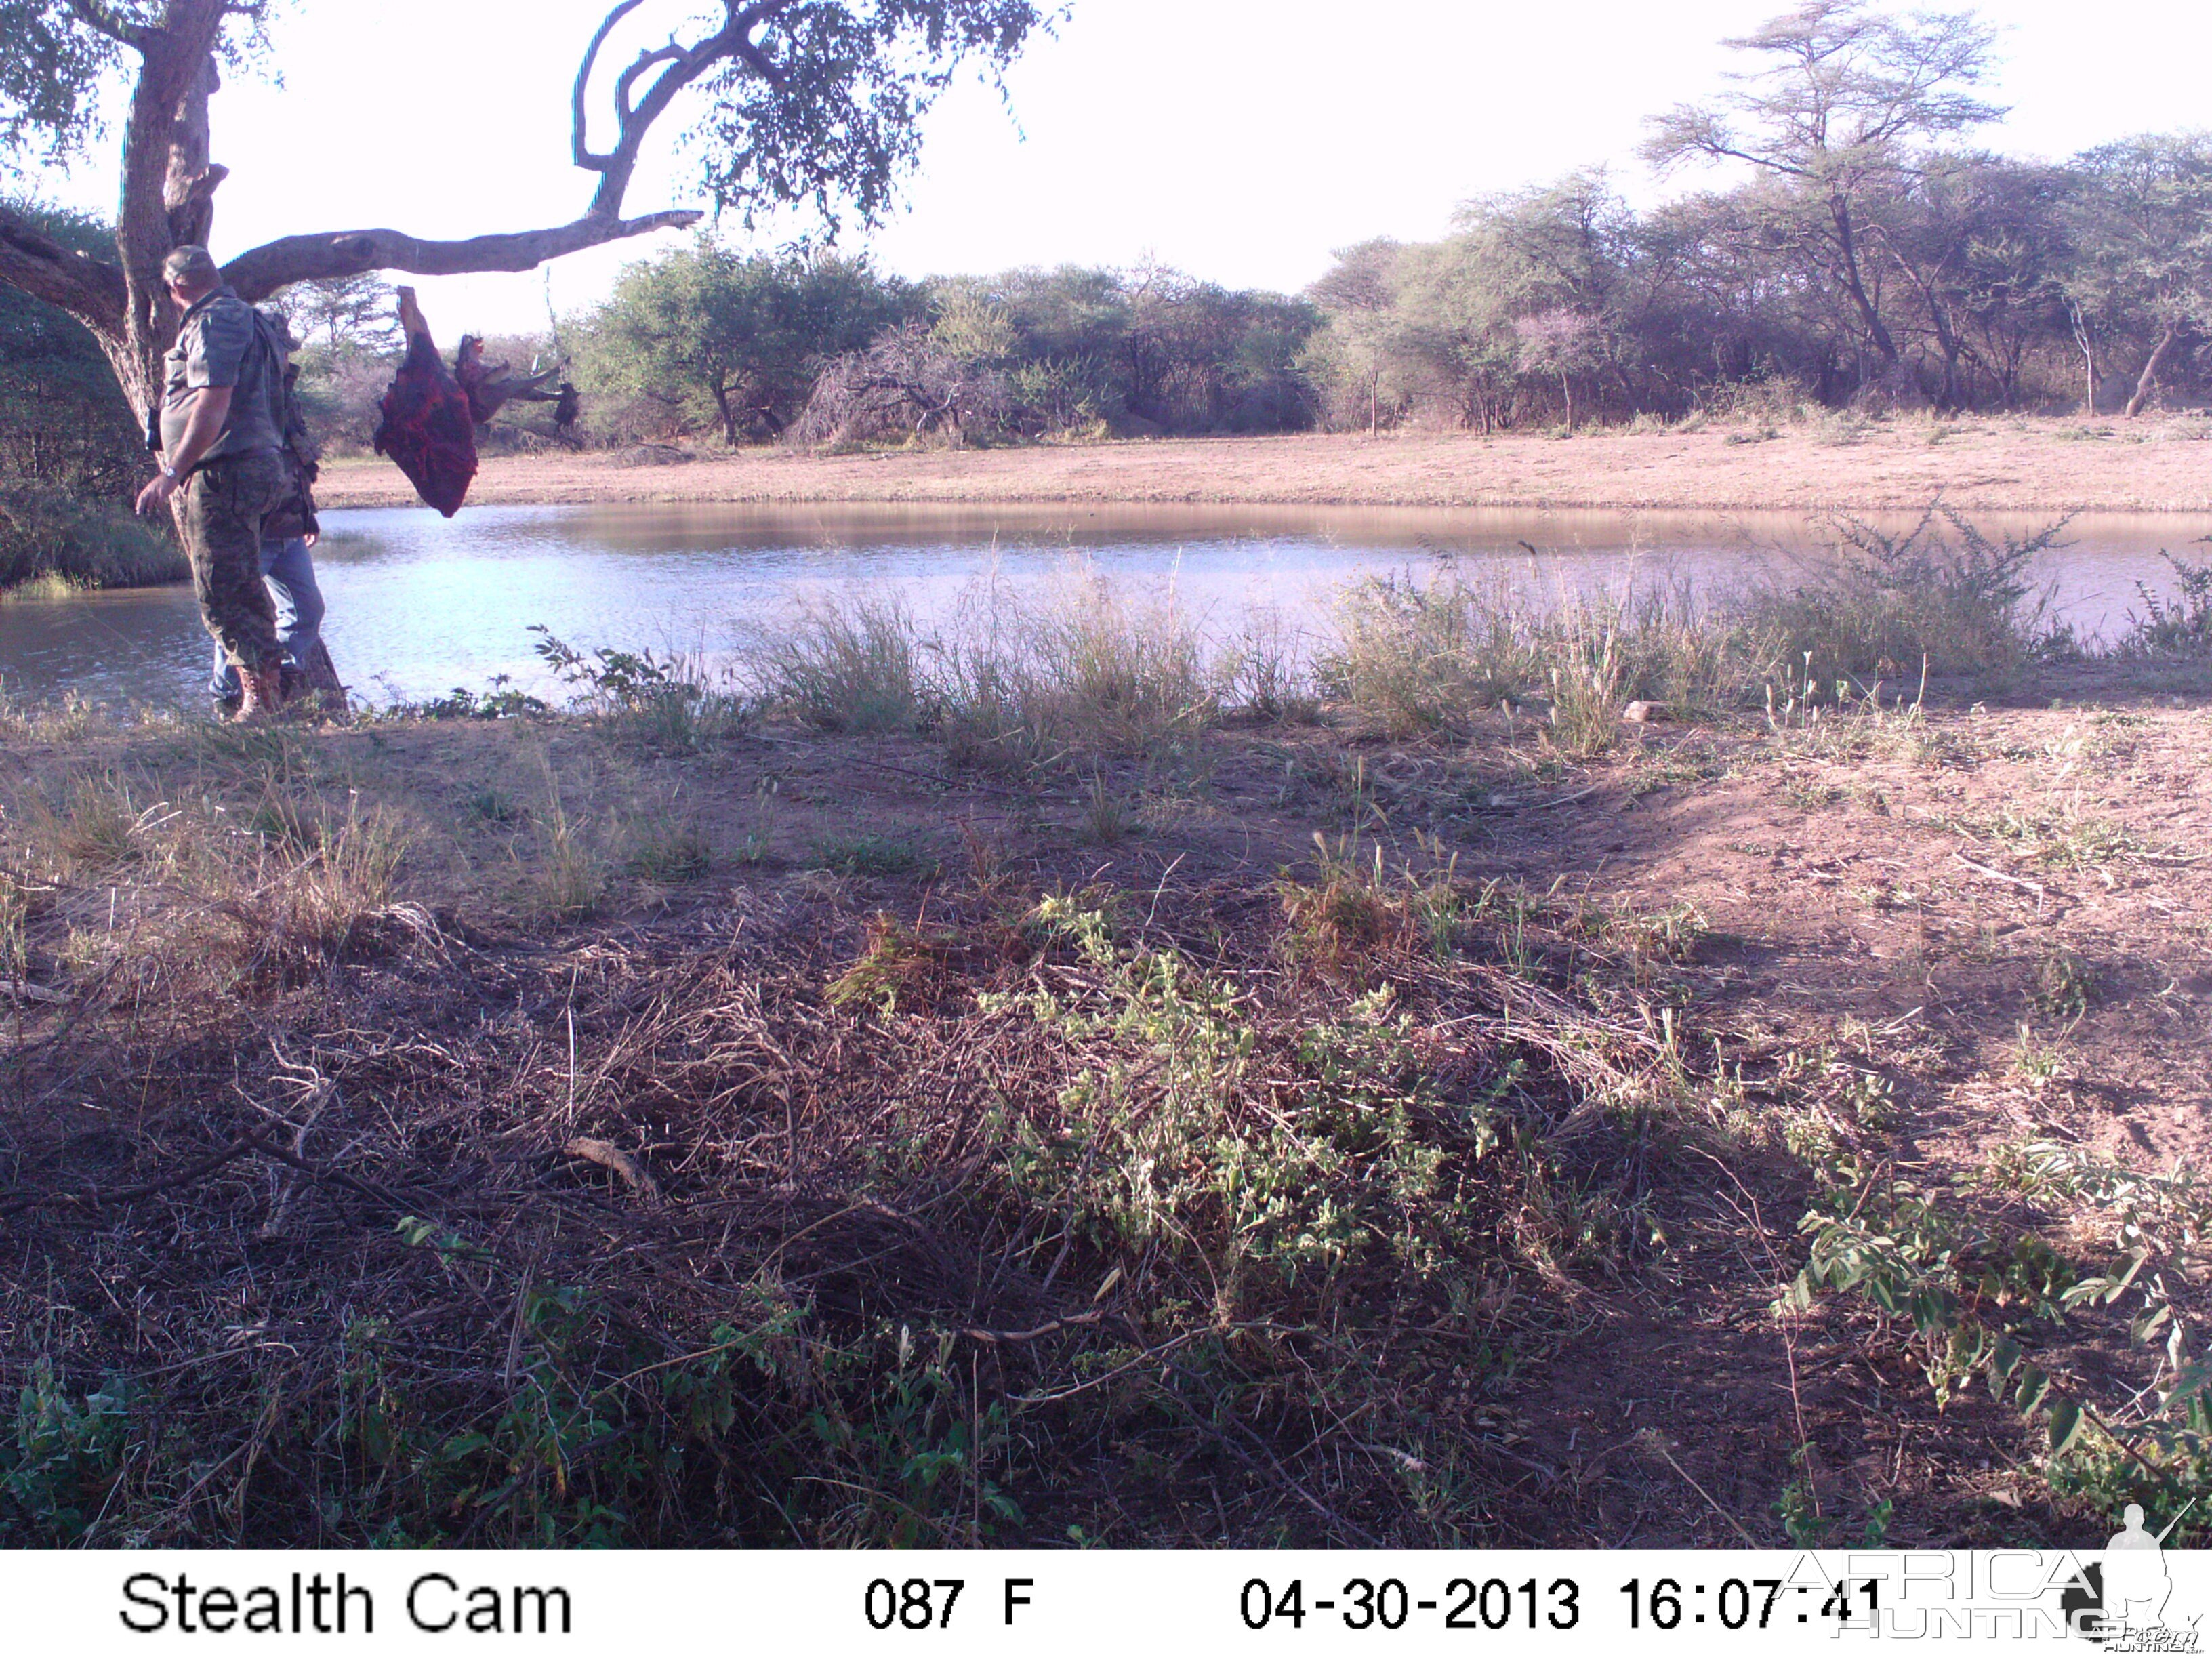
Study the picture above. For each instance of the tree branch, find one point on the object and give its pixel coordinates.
(579, 145)
(263, 270)
(89, 289)
(623, 108)
(101, 21)
(680, 66)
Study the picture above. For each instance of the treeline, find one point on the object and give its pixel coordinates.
(1974, 283)
(1851, 248)
(821, 347)
(1856, 253)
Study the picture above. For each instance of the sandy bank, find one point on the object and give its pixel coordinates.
(2026, 465)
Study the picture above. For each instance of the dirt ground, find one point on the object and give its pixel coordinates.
(2156, 464)
(1995, 915)
(1898, 897)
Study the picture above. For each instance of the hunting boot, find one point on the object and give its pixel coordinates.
(265, 694)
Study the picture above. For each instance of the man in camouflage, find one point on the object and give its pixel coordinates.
(288, 564)
(221, 431)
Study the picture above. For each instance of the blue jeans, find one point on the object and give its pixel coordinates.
(288, 568)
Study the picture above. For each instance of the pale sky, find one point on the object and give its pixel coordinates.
(1241, 140)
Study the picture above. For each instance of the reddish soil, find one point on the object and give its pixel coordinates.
(1906, 894)
(1895, 897)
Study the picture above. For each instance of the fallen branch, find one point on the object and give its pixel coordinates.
(2035, 887)
(98, 1200)
(1045, 1329)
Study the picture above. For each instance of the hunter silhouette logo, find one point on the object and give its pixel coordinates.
(2123, 1596)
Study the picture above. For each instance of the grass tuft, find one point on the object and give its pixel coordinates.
(851, 666)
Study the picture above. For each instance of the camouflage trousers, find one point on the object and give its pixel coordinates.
(224, 504)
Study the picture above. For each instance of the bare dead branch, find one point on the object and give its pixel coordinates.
(579, 145)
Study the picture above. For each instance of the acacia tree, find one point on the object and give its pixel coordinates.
(794, 101)
(1844, 96)
(2142, 216)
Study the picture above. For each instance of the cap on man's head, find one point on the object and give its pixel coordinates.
(190, 264)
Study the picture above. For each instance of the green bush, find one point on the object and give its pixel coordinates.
(45, 534)
(64, 421)
(2180, 626)
(1883, 605)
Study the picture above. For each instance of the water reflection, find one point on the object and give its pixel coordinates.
(419, 604)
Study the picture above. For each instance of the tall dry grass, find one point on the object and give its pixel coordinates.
(856, 666)
(1088, 667)
(1420, 656)
(259, 879)
(1084, 667)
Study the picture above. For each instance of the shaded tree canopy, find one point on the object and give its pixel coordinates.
(62, 421)
(787, 101)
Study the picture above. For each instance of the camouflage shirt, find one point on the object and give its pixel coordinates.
(221, 343)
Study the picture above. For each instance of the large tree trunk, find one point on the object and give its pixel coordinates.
(2147, 382)
(1847, 247)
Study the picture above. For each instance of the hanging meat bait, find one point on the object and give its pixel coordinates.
(429, 428)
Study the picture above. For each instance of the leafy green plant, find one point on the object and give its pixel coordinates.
(1157, 1146)
(664, 703)
(2064, 983)
(500, 703)
(2178, 626)
(1878, 604)
(867, 855)
(1978, 1305)
(59, 1469)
